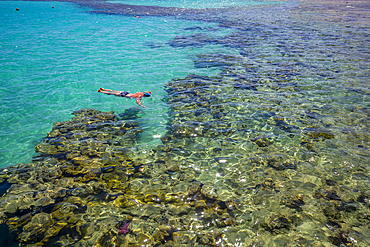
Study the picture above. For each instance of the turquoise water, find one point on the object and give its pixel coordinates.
(194, 4)
(54, 59)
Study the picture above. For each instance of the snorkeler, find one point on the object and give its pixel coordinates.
(138, 95)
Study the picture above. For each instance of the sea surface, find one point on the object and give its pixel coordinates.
(256, 134)
(193, 4)
(55, 56)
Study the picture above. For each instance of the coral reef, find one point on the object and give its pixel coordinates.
(83, 188)
(219, 178)
(251, 157)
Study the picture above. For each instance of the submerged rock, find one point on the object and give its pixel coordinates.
(238, 165)
(85, 181)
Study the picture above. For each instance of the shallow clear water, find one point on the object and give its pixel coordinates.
(54, 59)
(263, 136)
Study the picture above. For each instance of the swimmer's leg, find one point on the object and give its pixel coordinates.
(111, 92)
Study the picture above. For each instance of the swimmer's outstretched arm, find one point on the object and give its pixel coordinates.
(138, 101)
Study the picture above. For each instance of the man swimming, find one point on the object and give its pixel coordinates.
(138, 95)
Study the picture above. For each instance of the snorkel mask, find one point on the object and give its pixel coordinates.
(148, 94)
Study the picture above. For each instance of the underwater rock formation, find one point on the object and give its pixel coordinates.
(84, 188)
(250, 157)
(223, 175)
(232, 169)
(246, 147)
